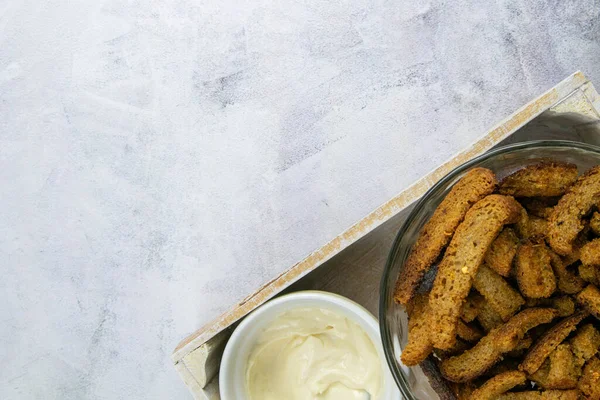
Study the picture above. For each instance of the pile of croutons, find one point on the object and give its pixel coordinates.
(514, 309)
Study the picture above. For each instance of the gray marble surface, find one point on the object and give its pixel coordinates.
(159, 160)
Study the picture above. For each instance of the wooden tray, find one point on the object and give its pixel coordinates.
(352, 263)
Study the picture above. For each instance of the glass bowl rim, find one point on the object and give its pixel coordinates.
(383, 290)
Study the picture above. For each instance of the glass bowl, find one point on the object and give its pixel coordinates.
(393, 322)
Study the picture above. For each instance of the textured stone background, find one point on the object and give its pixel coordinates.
(161, 159)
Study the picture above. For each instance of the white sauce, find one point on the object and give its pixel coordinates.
(310, 354)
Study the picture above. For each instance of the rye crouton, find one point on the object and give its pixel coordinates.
(459, 347)
(471, 306)
(590, 253)
(564, 305)
(468, 332)
(462, 260)
(559, 371)
(585, 344)
(568, 282)
(543, 179)
(549, 341)
(564, 372)
(589, 384)
(521, 347)
(437, 232)
(488, 317)
(589, 274)
(419, 344)
(595, 223)
(545, 395)
(475, 361)
(505, 300)
(502, 252)
(498, 385)
(530, 227)
(534, 273)
(566, 220)
(539, 206)
(589, 298)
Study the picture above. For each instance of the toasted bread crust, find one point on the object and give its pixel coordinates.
(505, 365)
(459, 347)
(571, 258)
(471, 306)
(564, 305)
(540, 377)
(585, 344)
(498, 385)
(474, 362)
(521, 348)
(502, 252)
(524, 343)
(512, 332)
(530, 227)
(462, 391)
(539, 206)
(595, 223)
(589, 274)
(559, 371)
(467, 332)
(567, 281)
(461, 262)
(419, 345)
(589, 298)
(488, 317)
(590, 253)
(502, 297)
(535, 276)
(574, 256)
(538, 228)
(549, 341)
(566, 220)
(522, 224)
(543, 179)
(564, 373)
(589, 384)
(437, 232)
(545, 395)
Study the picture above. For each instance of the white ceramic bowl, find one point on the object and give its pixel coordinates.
(233, 364)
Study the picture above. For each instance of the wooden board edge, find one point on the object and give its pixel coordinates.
(190, 381)
(379, 215)
(592, 95)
